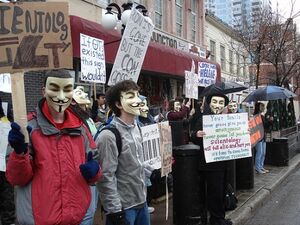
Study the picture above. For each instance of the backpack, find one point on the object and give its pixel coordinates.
(230, 198)
(112, 128)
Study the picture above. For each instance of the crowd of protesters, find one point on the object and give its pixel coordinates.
(65, 168)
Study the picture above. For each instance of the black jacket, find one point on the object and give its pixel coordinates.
(196, 125)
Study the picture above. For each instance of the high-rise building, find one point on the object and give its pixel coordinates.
(237, 13)
(221, 8)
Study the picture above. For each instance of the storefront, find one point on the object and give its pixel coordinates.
(162, 75)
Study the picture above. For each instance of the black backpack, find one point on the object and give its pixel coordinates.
(115, 131)
(230, 198)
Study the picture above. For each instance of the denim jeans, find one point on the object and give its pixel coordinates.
(260, 155)
(89, 216)
(136, 216)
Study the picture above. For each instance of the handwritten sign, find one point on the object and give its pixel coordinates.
(226, 137)
(166, 148)
(4, 129)
(92, 59)
(256, 130)
(207, 74)
(35, 36)
(191, 85)
(132, 49)
(151, 148)
(5, 82)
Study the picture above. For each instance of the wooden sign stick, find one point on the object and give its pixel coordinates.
(19, 102)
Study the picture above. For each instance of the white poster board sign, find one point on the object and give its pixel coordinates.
(132, 49)
(92, 59)
(191, 85)
(207, 74)
(226, 137)
(4, 129)
(5, 82)
(166, 148)
(151, 148)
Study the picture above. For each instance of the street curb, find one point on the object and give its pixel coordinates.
(244, 213)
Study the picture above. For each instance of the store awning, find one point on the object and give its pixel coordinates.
(159, 58)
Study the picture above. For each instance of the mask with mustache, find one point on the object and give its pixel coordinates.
(58, 93)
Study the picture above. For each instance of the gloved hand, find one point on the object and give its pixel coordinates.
(89, 169)
(16, 139)
(155, 176)
(117, 218)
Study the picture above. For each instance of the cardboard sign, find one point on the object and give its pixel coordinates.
(166, 148)
(256, 127)
(92, 59)
(5, 82)
(4, 129)
(151, 148)
(132, 49)
(35, 36)
(191, 85)
(207, 74)
(226, 137)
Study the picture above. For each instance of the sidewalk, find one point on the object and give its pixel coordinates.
(249, 200)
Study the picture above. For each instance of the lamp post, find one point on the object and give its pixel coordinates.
(112, 20)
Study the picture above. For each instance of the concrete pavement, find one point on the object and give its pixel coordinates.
(249, 200)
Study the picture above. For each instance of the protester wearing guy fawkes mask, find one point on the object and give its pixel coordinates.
(54, 170)
(212, 175)
(232, 107)
(122, 189)
(178, 110)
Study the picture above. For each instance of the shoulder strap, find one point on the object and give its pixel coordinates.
(117, 135)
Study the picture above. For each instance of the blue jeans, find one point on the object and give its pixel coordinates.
(89, 216)
(260, 155)
(136, 216)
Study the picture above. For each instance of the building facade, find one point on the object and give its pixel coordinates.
(178, 38)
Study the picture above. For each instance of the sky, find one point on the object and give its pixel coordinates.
(284, 8)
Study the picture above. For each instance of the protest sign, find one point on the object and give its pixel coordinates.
(256, 127)
(35, 36)
(92, 59)
(5, 82)
(226, 137)
(166, 148)
(4, 129)
(151, 148)
(132, 49)
(191, 85)
(207, 74)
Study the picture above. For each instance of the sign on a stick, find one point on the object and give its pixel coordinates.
(35, 36)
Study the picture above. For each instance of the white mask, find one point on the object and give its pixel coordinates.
(144, 108)
(58, 92)
(177, 106)
(232, 107)
(130, 102)
(80, 96)
(217, 104)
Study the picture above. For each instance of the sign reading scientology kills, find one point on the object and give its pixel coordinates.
(34, 36)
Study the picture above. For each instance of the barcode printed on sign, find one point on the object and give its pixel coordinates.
(151, 149)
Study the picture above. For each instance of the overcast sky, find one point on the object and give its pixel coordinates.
(284, 8)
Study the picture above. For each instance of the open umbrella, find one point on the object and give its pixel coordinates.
(223, 87)
(269, 92)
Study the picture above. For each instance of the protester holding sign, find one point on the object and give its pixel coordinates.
(261, 145)
(54, 170)
(122, 189)
(212, 174)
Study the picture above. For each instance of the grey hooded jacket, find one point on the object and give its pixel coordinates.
(122, 185)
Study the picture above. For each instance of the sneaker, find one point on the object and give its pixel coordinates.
(260, 171)
(151, 209)
(265, 170)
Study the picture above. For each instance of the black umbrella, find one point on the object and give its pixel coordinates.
(270, 92)
(223, 87)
